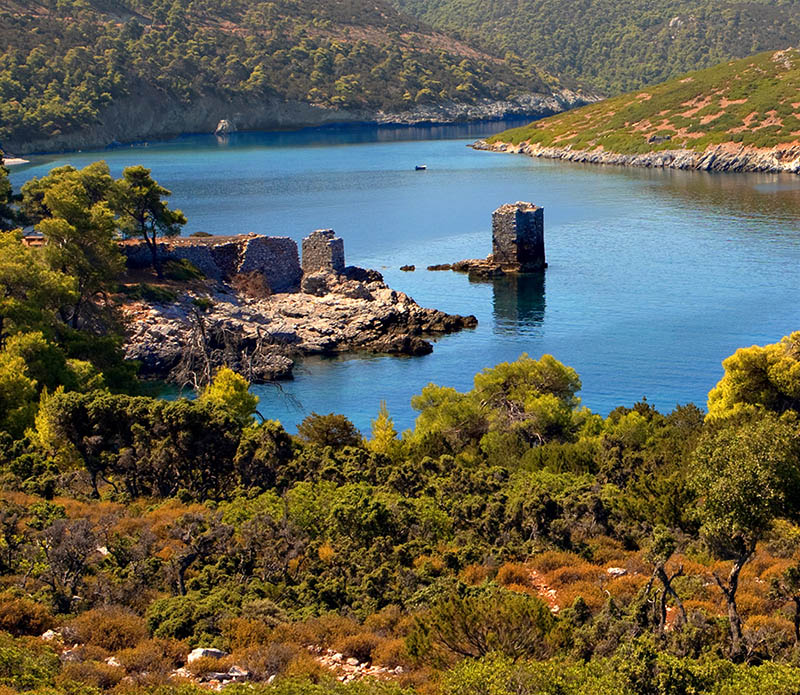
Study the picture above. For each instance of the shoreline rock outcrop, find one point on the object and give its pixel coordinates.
(354, 311)
(725, 157)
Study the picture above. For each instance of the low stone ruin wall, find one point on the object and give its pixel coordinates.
(222, 258)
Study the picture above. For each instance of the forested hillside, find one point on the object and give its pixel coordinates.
(615, 46)
(128, 68)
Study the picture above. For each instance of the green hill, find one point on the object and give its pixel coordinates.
(75, 72)
(618, 45)
(752, 102)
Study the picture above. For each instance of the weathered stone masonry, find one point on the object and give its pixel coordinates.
(518, 237)
(323, 251)
(222, 258)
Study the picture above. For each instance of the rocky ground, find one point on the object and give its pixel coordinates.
(476, 268)
(186, 340)
(221, 674)
(731, 157)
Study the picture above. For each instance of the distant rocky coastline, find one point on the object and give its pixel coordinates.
(149, 117)
(726, 157)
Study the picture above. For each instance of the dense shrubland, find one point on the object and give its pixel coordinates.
(511, 542)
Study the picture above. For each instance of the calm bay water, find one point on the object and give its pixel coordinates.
(654, 276)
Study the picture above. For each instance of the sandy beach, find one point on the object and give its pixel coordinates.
(11, 161)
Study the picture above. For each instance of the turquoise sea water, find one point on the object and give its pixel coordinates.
(654, 276)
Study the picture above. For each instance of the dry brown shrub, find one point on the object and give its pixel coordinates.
(208, 664)
(564, 576)
(91, 673)
(386, 621)
(758, 564)
(359, 646)
(153, 656)
(391, 653)
(607, 551)
(708, 608)
(422, 681)
(323, 631)
(590, 592)
(627, 587)
(772, 632)
(476, 574)
(750, 604)
(22, 616)
(112, 628)
(89, 652)
(553, 559)
(690, 567)
(162, 519)
(514, 573)
(775, 570)
(94, 511)
(252, 284)
(243, 632)
(266, 660)
(305, 667)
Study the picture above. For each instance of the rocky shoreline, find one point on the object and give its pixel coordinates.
(149, 117)
(353, 311)
(726, 157)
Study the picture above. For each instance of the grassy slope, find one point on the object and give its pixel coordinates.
(615, 46)
(754, 101)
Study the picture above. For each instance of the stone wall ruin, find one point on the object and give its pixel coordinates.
(225, 257)
(323, 251)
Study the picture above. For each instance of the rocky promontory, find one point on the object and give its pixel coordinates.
(353, 311)
(731, 157)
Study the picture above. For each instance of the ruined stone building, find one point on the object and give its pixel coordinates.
(518, 237)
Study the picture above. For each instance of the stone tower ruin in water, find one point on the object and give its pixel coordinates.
(518, 237)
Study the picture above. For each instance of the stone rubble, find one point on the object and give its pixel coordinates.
(351, 669)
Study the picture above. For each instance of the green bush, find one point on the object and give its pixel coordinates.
(182, 270)
(26, 663)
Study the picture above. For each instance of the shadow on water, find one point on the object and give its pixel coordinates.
(518, 302)
(757, 195)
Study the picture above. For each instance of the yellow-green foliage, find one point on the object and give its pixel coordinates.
(749, 102)
(230, 391)
(759, 377)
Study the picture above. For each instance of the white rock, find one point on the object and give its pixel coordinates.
(49, 636)
(617, 571)
(203, 652)
(352, 661)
